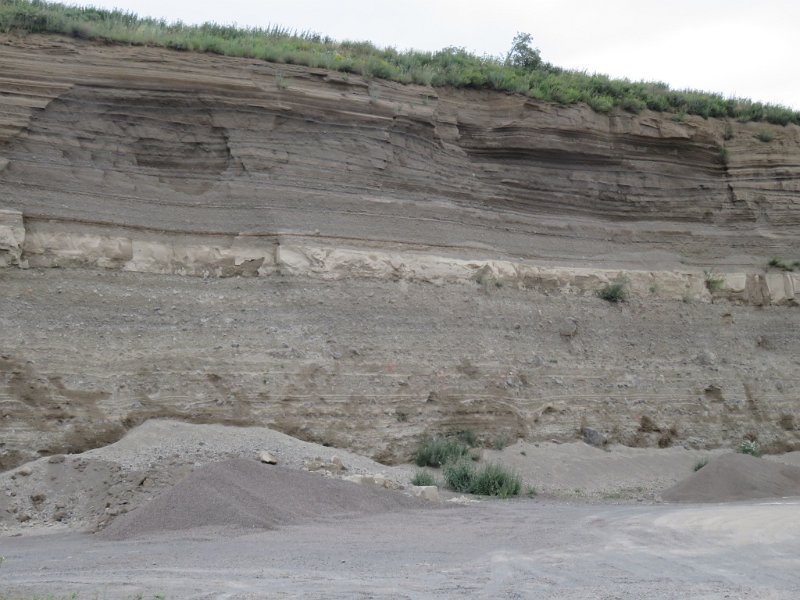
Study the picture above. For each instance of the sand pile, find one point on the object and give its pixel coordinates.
(241, 493)
(737, 477)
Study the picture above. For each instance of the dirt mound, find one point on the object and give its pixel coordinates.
(241, 493)
(737, 477)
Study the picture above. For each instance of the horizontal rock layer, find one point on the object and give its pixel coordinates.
(195, 143)
(315, 209)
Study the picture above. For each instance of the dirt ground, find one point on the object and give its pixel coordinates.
(596, 529)
(515, 549)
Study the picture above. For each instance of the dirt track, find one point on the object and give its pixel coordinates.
(517, 549)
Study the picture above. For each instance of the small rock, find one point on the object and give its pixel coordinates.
(568, 328)
(56, 459)
(463, 500)
(705, 358)
(23, 518)
(594, 437)
(38, 498)
(337, 462)
(24, 471)
(267, 458)
(426, 492)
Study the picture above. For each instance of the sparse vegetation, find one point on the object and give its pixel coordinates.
(500, 441)
(521, 71)
(614, 292)
(436, 451)
(714, 282)
(750, 447)
(423, 478)
(468, 437)
(765, 135)
(786, 422)
(784, 265)
(700, 464)
(489, 480)
(724, 156)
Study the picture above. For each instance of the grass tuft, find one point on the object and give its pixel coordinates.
(423, 478)
(436, 451)
(750, 447)
(714, 282)
(765, 135)
(784, 265)
(613, 292)
(489, 480)
(700, 464)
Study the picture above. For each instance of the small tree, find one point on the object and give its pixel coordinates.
(522, 54)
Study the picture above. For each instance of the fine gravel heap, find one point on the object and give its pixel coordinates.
(734, 477)
(244, 494)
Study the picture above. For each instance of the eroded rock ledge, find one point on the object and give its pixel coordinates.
(37, 243)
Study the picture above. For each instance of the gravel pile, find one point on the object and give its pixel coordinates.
(245, 494)
(737, 477)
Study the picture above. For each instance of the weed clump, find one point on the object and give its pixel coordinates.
(700, 464)
(714, 282)
(765, 135)
(423, 478)
(436, 451)
(784, 265)
(750, 447)
(490, 480)
(613, 292)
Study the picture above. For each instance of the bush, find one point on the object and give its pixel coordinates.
(423, 478)
(468, 437)
(490, 480)
(750, 447)
(700, 464)
(436, 451)
(459, 476)
(494, 480)
(613, 292)
(765, 135)
(714, 282)
(500, 441)
(784, 265)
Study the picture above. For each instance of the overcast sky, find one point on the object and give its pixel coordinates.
(737, 47)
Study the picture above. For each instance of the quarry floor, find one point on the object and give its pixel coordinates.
(527, 548)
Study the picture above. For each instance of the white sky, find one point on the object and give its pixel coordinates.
(744, 48)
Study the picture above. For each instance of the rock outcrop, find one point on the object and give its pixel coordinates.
(360, 263)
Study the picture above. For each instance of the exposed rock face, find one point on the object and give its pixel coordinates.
(341, 200)
(195, 143)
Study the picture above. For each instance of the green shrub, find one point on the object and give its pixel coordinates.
(459, 475)
(724, 156)
(490, 480)
(714, 282)
(700, 464)
(750, 447)
(765, 135)
(784, 265)
(613, 292)
(436, 451)
(468, 437)
(500, 441)
(423, 478)
(494, 480)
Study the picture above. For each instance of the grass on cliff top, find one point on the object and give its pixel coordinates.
(522, 71)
